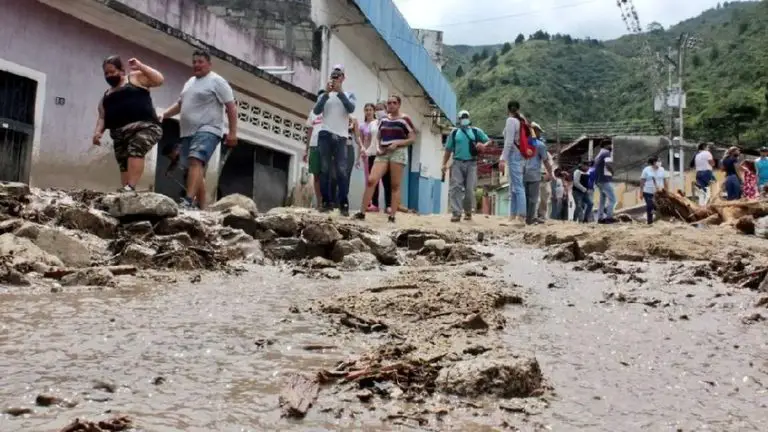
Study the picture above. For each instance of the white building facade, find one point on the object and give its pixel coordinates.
(382, 56)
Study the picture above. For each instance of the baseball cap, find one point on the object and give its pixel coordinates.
(763, 149)
(339, 67)
(537, 126)
(463, 113)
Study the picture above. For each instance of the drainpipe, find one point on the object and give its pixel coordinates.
(325, 58)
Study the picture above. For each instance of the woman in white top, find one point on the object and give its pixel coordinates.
(653, 179)
(370, 130)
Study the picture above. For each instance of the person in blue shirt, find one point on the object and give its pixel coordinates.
(464, 144)
(604, 182)
(532, 178)
(653, 178)
(761, 165)
(733, 179)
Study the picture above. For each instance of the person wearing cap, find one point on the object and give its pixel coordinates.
(538, 171)
(335, 105)
(546, 195)
(463, 143)
(761, 165)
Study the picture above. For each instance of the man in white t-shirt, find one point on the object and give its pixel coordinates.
(704, 163)
(654, 179)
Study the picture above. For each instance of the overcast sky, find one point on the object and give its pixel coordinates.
(480, 22)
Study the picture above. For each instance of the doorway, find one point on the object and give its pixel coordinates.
(169, 183)
(257, 172)
(17, 125)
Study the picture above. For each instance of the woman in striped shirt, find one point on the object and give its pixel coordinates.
(396, 133)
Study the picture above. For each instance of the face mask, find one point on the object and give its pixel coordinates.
(381, 114)
(464, 122)
(114, 80)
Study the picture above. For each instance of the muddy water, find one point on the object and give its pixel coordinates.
(614, 366)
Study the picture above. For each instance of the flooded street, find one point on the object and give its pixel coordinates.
(186, 357)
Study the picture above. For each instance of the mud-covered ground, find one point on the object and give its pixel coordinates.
(424, 325)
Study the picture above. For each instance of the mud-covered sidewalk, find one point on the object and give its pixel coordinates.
(121, 309)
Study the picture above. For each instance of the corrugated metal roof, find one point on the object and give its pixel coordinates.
(394, 29)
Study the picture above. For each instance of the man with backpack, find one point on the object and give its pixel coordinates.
(517, 150)
(463, 143)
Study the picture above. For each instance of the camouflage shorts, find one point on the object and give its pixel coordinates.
(134, 140)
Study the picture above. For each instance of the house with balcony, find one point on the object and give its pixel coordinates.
(51, 52)
(383, 56)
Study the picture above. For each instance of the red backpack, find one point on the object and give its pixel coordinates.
(527, 150)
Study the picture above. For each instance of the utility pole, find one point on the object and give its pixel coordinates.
(668, 110)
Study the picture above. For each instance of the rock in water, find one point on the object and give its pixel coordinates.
(502, 377)
(235, 200)
(93, 221)
(13, 189)
(298, 395)
(23, 251)
(187, 224)
(285, 225)
(90, 277)
(240, 218)
(140, 206)
(360, 261)
(58, 243)
(383, 248)
(323, 234)
(343, 248)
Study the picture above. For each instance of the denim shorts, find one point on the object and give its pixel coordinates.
(199, 146)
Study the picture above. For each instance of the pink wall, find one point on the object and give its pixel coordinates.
(196, 21)
(70, 53)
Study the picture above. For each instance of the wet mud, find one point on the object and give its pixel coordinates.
(238, 320)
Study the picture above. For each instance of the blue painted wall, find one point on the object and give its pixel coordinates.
(394, 29)
(437, 189)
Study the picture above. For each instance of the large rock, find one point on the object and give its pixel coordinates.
(140, 206)
(362, 261)
(68, 249)
(502, 377)
(138, 255)
(285, 225)
(23, 252)
(234, 200)
(240, 218)
(193, 227)
(322, 234)
(343, 248)
(11, 276)
(93, 221)
(98, 276)
(382, 247)
(10, 225)
(14, 189)
(286, 248)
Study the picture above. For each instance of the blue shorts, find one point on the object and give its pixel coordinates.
(199, 146)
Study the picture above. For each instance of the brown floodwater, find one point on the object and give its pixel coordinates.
(614, 366)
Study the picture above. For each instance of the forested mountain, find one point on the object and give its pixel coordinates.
(578, 82)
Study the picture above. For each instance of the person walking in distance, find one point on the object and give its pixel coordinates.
(512, 160)
(545, 188)
(654, 179)
(581, 198)
(704, 164)
(335, 105)
(204, 99)
(532, 179)
(733, 174)
(126, 109)
(464, 143)
(373, 115)
(312, 156)
(396, 133)
(761, 165)
(604, 181)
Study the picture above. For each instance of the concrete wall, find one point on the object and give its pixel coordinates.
(368, 61)
(68, 54)
(198, 22)
(433, 42)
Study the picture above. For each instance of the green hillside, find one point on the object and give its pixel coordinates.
(556, 77)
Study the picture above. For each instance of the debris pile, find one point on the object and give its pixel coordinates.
(115, 424)
(438, 333)
(740, 214)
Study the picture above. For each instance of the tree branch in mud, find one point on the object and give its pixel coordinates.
(717, 212)
(298, 395)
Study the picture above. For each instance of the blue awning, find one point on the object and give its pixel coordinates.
(394, 29)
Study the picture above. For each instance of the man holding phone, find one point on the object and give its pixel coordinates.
(335, 105)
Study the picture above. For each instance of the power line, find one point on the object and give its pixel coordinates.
(516, 15)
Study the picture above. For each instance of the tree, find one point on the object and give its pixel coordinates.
(714, 54)
(696, 60)
(494, 61)
(484, 54)
(520, 39)
(655, 28)
(459, 72)
(476, 58)
(506, 48)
